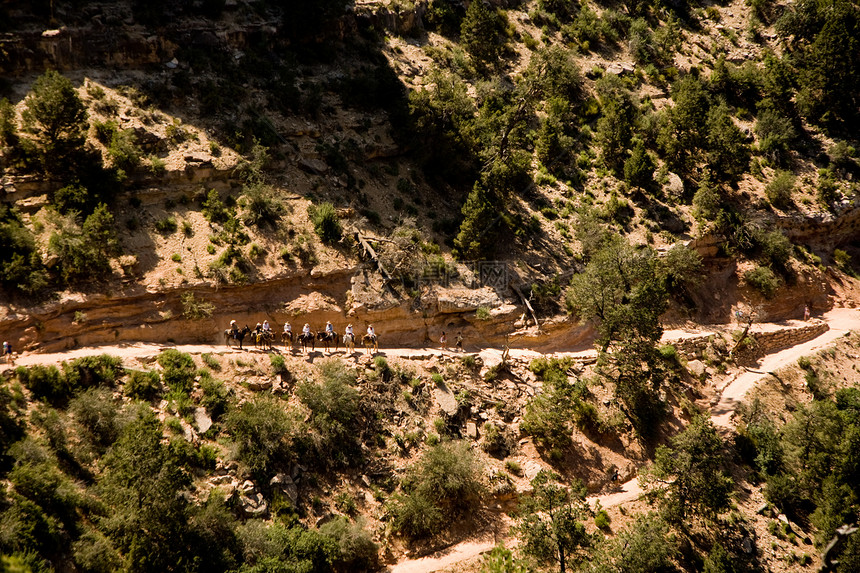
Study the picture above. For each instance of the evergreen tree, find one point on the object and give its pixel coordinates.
(639, 167)
(56, 118)
(691, 469)
(481, 223)
(551, 521)
(482, 34)
(728, 154)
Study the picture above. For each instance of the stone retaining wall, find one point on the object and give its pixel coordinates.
(765, 342)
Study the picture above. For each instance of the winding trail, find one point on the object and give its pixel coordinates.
(840, 322)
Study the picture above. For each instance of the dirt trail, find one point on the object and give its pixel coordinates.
(456, 554)
(840, 321)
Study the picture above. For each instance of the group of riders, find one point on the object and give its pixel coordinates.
(264, 335)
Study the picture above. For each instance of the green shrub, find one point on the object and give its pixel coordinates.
(494, 441)
(356, 549)
(763, 280)
(415, 516)
(444, 485)
(326, 223)
(45, 382)
(779, 191)
(83, 251)
(335, 415)
(602, 519)
(105, 130)
(157, 165)
(97, 414)
(262, 207)
(123, 150)
(166, 226)
(842, 259)
(216, 396)
(279, 367)
(210, 361)
(482, 313)
(91, 371)
(262, 433)
(214, 209)
(380, 364)
(142, 385)
(94, 552)
(194, 308)
(179, 370)
(21, 268)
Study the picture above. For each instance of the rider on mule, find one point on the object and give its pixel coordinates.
(329, 330)
(266, 328)
(306, 329)
(288, 329)
(234, 328)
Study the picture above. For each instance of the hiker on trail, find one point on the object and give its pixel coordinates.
(806, 312)
(443, 340)
(459, 341)
(7, 353)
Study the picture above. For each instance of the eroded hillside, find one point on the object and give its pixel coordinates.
(650, 193)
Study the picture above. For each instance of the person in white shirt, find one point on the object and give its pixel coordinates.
(306, 329)
(266, 327)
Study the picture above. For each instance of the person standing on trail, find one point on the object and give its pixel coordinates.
(443, 340)
(806, 312)
(459, 341)
(7, 352)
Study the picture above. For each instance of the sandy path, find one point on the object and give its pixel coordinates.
(840, 321)
(459, 553)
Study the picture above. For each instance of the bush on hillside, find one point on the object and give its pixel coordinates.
(262, 433)
(46, 383)
(763, 280)
(93, 371)
(179, 370)
(326, 223)
(444, 485)
(780, 190)
(142, 385)
(335, 412)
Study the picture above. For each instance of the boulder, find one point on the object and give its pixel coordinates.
(285, 484)
(253, 505)
(202, 419)
(446, 400)
(312, 166)
(696, 368)
(472, 430)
